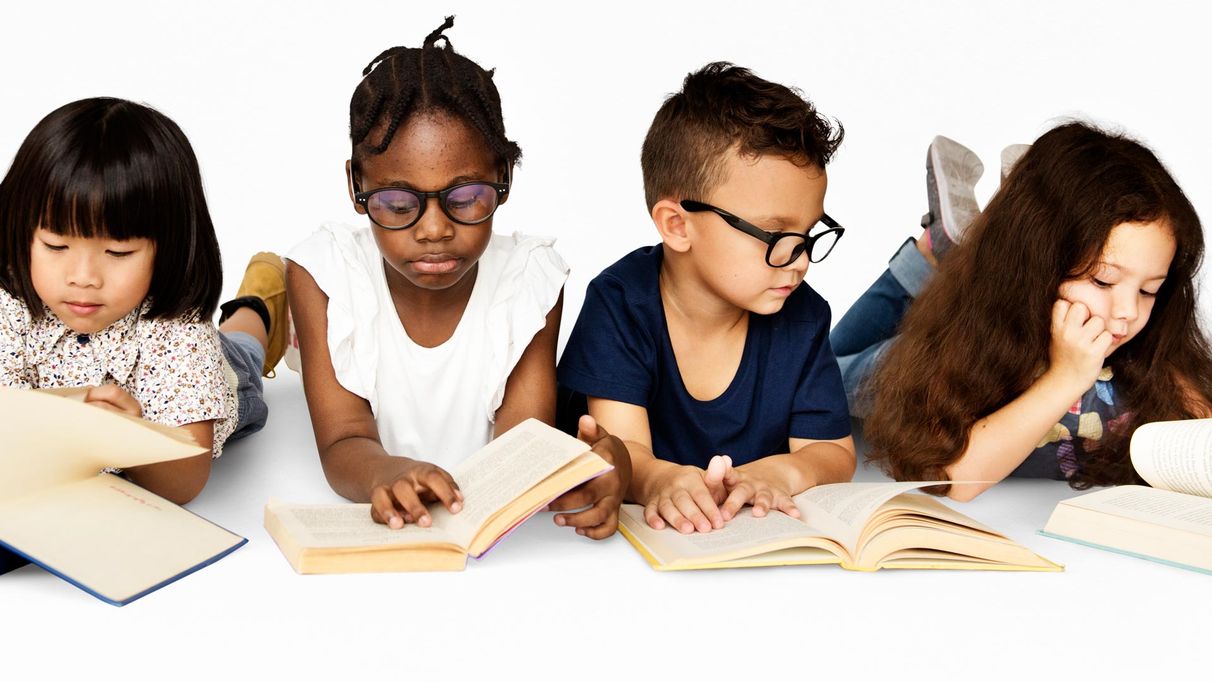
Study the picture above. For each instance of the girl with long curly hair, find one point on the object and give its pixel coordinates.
(1062, 319)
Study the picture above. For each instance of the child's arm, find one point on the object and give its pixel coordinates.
(998, 443)
(531, 388)
(685, 497)
(602, 495)
(354, 461)
(770, 482)
(178, 481)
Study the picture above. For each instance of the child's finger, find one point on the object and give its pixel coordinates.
(653, 517)
(691, 508)
(762, 500)
(785, 504)
(383, 508)
(589, 431)
(588, 518)
(1077, 315)
(673, 517)
(603, 530)
(580, 496)
(408, 500)
(736, 499)
(1060, 310)
(442, 486)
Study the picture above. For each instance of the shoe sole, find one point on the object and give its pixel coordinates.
(956, 172)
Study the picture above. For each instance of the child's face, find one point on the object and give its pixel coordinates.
(1124, 284)
(773, 194)
(90, 283)
(430, 153)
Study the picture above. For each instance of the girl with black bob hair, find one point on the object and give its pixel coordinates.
(111, 273)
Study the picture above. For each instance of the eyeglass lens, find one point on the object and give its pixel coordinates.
(471, 203)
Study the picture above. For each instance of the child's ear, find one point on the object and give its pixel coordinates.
(670, 221)
(349, 185)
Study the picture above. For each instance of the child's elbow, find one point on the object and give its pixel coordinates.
(961, 492)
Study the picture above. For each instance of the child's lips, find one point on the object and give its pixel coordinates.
(436, 263)
(82, 308)
(784, 290)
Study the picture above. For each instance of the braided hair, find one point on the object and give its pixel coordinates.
(404, 81)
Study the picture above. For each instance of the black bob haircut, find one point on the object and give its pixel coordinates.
(114, 169)
(405, 81)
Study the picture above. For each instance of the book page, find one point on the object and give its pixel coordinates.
(1185, 512)
(348, 525)
(51, 439)
(1175, 455)
(110, 536)
(502, 471)
(742, 536)
(840, 510)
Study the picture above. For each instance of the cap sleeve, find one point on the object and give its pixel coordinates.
(529, 286)
(338, 263)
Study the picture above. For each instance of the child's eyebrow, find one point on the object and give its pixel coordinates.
(783, 223)
(1129, 271)
(458, 179)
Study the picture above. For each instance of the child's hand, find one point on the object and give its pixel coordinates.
(113, 397)
(688, 498)
(758, 487)
(410, 484)
(1080, 342)
(603, 494)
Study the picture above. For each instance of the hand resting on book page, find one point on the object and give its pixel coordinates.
(402, 487)
(687, 497)
(603, 494)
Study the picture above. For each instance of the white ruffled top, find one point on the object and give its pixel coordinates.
(433, 404)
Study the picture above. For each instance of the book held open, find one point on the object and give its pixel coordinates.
(503, 484)
(98, 531)
(861, 526)
(1169, 523)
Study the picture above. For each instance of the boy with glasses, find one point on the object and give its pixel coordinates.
(706, 353)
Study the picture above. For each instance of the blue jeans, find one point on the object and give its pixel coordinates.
(245, 355)
(862, 336)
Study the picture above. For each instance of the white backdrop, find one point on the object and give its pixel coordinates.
(263, 89)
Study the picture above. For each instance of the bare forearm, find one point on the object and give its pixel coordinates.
(353, 466)
(1000, 442)
(178, 481)
(812, 465)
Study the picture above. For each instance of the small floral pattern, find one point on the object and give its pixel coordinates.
(174, 368)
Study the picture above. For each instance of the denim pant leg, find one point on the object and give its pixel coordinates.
(245, 355)
(862, 335)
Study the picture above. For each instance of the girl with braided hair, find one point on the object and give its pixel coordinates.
(423, 335)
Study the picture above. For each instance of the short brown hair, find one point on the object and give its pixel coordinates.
(723, 106)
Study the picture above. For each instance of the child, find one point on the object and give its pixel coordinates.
(709, 343)
(1063, 319)
(424, 335)
(112, 272)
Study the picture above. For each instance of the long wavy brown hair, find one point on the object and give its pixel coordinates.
(979, 334)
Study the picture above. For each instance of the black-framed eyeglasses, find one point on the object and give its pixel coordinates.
(398, 208)
(782, 248)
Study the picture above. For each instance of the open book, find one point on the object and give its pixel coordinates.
(862, 526)
(99, 532)
(503, 484)
(1172, 521)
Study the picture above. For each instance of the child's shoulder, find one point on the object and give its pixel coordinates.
(13, 313)
(804, 307)
(337, 245)
(637, 273)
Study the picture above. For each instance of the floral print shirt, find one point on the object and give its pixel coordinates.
(174, 368)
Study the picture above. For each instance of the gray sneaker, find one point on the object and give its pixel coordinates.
(1010, 156)
(952, 171)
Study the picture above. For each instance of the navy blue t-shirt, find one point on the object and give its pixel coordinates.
(787, 385)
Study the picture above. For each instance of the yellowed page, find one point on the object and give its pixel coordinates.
(110, 536)
(502, 471)
(840, 510)
(1175, 455)
(331, 526)
(51, 439)
(1181, 511)
(743, 536)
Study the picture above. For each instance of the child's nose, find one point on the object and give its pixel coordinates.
(434, 224)
(84, 272)
(1125, 306)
